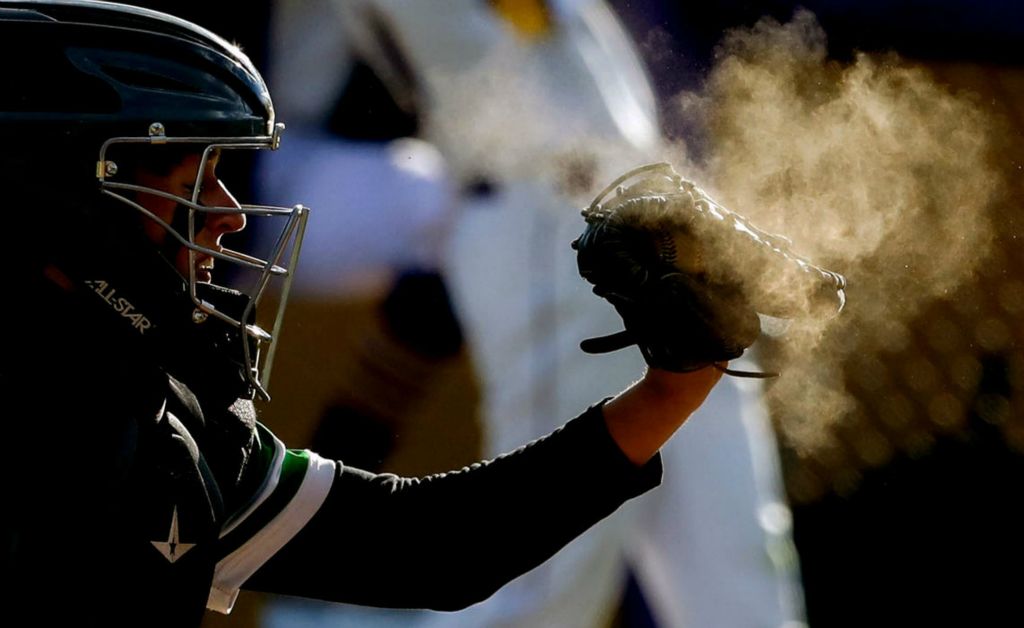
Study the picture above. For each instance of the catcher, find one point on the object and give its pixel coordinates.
(141, 486)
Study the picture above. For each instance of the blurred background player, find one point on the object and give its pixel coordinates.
(530, 106)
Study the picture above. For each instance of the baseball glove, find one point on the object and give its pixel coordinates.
(688, 276)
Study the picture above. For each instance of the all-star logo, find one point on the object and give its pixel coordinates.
(121, 305)
(172, 549)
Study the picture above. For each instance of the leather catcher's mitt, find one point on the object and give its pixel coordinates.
(688, 276)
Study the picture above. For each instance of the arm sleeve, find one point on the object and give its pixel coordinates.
(292, 486)
(447, 541)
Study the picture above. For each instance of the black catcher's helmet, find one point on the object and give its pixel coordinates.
(99, 70)
(85, 83)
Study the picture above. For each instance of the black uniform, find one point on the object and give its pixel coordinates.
(140, 488)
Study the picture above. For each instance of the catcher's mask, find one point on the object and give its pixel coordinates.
(108, 76)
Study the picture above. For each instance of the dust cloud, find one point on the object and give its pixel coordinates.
(872, 168)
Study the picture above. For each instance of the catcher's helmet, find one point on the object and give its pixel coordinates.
(84, 82)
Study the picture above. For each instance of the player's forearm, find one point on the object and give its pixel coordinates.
(450, 540)
(647, 414)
